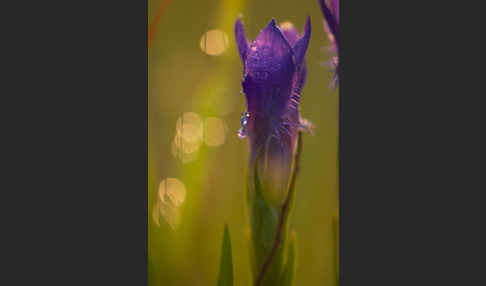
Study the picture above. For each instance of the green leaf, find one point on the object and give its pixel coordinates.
(263, 221)
(289, 269)
(226, 262)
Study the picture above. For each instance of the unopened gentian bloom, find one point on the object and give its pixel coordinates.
(331, 24)
(274, 72)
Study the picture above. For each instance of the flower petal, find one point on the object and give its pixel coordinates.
(274, 166)
(290, 33)
(270, 57)
(241, 40)
(266, 106)
(300, 47)
(335, 9)
(330, 19)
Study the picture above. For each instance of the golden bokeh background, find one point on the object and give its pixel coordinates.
(197, 163)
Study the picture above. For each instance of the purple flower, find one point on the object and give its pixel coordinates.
(331, 24)
(274, 72)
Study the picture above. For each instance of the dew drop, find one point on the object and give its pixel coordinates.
(244, 121)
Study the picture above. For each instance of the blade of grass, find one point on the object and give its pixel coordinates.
(226, 262)
(153, 26)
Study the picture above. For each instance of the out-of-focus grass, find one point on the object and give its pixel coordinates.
(182, 78)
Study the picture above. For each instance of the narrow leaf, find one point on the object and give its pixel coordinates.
(263, 221)
(226, 262)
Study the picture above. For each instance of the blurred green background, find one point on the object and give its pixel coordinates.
(196, 160)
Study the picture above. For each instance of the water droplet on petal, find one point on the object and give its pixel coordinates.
(241, 133)
(244, 121)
